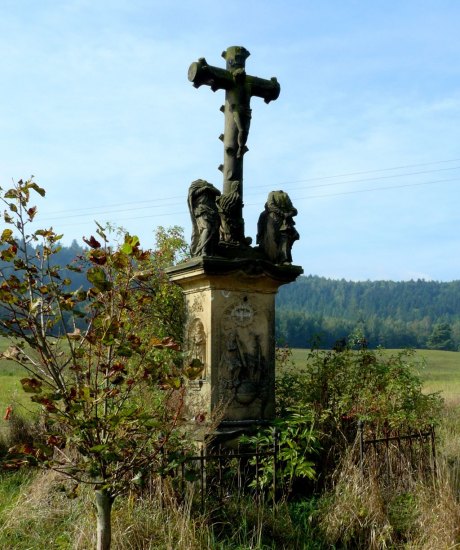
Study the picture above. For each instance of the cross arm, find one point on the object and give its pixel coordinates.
(268, 90)
(201, 73)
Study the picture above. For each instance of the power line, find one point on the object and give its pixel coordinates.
(172, 204)
(352, 192)
(374, 171)
(378, 189)
(379, 177)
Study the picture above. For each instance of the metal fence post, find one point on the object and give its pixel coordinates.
(275, 461)
(433, 451)
(202, 478)
(361, 445)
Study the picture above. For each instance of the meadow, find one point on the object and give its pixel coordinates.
(439, 370)
(36, 513)
(11, 392)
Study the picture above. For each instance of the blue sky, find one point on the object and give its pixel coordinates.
(364, 137)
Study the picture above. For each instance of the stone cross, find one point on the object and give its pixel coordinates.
(239, 88)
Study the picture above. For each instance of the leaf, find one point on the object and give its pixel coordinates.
(173, 382)
(100, 231)
(11, 194)
(46, 233)
(124, 351)
(92, 242)
(31, 385)
(12, 353)
(98, 448)
(97, 277)
(31, 212)
(9, 253)
(165, 343)
(7, 217)
(7, 297)
(130, 244)
(45, 401)
(85, 393)
(8, 412)
(98, 257)
(126, 248)
(35, 187)
(194, 369)
(6, 234)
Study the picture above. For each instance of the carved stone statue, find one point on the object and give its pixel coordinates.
(275, 230)
(197, 346)
(205, 217)
(229, 206)
(239, 89)
(242, 367)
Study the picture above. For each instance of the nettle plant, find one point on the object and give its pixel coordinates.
(111, 394)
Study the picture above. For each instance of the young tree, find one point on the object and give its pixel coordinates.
(111, 393)
(441, 337)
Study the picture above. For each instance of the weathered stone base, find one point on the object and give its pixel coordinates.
(230, 327)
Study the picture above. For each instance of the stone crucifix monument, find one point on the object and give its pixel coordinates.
(239, 89)
(229, 285)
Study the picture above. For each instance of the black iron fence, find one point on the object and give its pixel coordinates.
(218, 472)
(395, 457)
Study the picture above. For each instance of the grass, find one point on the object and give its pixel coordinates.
(440, 371)
(35, 512)
(11, 392)
(40, 515)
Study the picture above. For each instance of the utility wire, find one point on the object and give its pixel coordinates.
(370, 189)
(352, 192)
(64, 214)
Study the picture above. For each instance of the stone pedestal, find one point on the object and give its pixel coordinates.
(230, 328)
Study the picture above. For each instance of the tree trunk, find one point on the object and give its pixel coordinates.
(104, 503)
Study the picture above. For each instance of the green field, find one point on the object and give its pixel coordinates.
(11, 392)
(440, 371)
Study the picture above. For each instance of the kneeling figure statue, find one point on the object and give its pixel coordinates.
(275, 230)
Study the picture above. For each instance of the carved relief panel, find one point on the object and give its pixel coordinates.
(243, 380)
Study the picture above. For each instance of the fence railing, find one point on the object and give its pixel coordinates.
(395, 456)
(219, 472)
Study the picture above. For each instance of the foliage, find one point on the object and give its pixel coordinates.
(294, 441)
(351, 383)
(88, 360)
(167, 308)
(441, 337)
(391, 314)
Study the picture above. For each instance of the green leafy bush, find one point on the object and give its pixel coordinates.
(338, 388)
(294, 440)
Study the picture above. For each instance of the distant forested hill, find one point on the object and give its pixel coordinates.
(67, 255)
(422, 314)
(320, 311)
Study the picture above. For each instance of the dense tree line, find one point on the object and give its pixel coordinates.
(420, 314)
(319, 311)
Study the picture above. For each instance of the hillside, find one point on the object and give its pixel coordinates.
(422, 314)
(316, 310)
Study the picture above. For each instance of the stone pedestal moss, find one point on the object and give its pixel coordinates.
(230, 327)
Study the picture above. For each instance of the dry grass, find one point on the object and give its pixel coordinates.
(416, 512)
(437, 523)
(354, 514)
(44, 516)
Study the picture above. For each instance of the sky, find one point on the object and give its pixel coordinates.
(364, 137)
